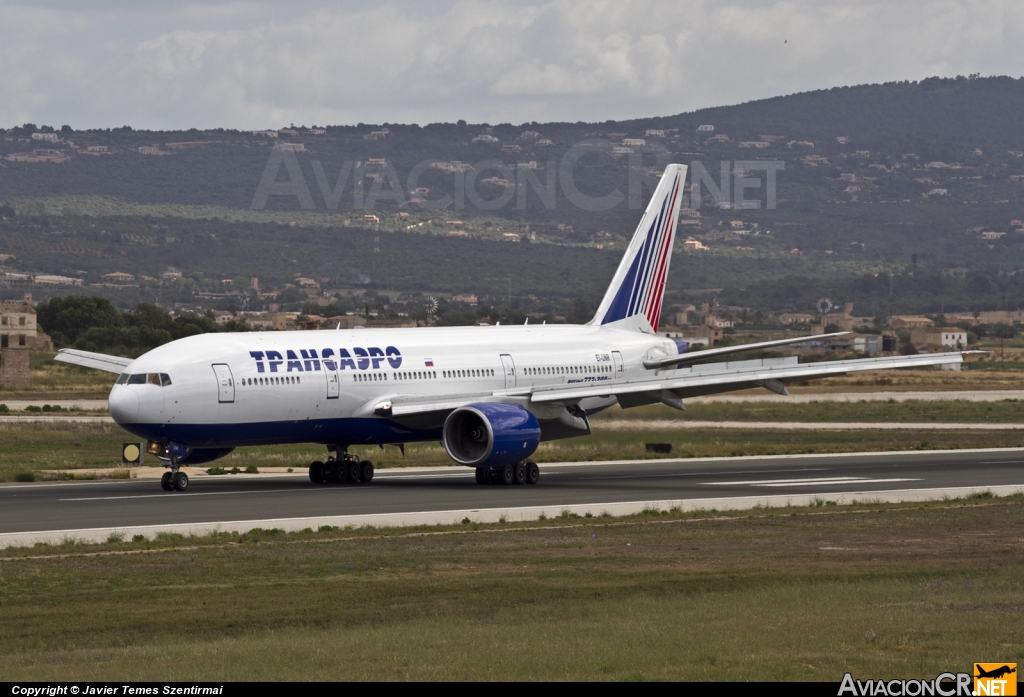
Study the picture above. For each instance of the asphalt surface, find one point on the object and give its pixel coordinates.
(134, 503)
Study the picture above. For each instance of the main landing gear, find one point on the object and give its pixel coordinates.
(175, 480)
(344, 469)
(522, 473)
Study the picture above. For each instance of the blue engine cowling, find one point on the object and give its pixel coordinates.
(490, 434)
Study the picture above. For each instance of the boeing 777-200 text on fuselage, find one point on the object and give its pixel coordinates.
(490, 394)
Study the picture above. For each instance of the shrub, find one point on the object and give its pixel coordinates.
(32, 408)
(216, 470)
(25, 477)
(252, 469)
(4, 409)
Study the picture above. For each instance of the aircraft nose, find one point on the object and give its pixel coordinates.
(123, 404)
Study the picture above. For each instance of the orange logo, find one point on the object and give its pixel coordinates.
(995, 679)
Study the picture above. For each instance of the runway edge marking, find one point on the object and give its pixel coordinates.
(511, 514)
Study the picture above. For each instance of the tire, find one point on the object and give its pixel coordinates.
(354, 472)
(336, 472)
(493, 475)
(366, 471)
(181, 481)
(507, 474)
(481, 475)
(520, 471)
(532, 473)
(165, 482)
(316, 472)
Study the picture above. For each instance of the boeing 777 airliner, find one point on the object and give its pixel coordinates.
(490, 394)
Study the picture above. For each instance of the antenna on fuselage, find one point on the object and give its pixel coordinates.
(338, 328)
(526, 322)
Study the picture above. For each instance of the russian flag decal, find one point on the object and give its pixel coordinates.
(428, 362)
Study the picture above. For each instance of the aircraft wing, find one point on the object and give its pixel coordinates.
(88, 359)
(773, 377)
(670, 387)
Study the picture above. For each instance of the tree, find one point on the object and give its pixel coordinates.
(65, 319)
(579, 312)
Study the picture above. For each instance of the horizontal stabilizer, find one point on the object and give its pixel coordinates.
(98, 361)
(684, 358)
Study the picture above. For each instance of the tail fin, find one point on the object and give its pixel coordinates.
(633, 300)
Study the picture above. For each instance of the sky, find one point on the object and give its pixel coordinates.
(260, 64)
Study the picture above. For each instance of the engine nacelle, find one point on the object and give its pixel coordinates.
(490, 434)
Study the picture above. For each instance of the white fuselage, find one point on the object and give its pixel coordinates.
(228, 390)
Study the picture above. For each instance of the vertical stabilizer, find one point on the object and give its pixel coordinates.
(633, 300)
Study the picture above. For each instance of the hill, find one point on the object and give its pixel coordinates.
(899, 179)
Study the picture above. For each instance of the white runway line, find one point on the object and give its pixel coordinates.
(817, 481)
(599, 425)
(495, 515)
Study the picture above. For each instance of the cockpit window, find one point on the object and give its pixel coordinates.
(158, 379)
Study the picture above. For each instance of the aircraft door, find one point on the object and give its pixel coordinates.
(510, 370)
(225, 383)
(617, 361)
(333, 383)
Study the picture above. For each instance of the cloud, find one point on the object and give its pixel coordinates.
(256, 64)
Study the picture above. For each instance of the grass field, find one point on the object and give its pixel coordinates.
(780, 594)
(908, 411)
(29, 448)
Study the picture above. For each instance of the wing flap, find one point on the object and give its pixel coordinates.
(97, 361)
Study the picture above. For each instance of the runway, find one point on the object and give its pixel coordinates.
(91, 510)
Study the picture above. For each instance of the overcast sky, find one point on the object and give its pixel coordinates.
(261, 64)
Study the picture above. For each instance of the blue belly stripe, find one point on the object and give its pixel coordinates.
(341, 431)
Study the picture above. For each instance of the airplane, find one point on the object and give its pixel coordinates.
(994, 673)
(489, 394)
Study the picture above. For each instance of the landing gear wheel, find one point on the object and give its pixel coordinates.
(494, 475)
(316, 472)
(507, 474)
(532, 473)
(366, 471)
(481, 475)
(520, 474)
(337, 473)
(354, 472)
(165, 482)
(180, 481)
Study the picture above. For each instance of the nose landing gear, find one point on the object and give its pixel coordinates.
(175, 480)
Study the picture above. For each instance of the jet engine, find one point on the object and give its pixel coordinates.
(490, 434)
